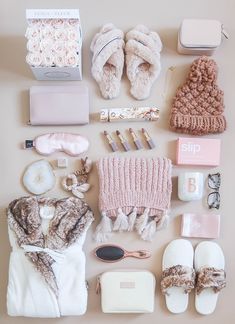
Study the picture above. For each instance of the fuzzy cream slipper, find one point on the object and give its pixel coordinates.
(143, 65)
(108, 60)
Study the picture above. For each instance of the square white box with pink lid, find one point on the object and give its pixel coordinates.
(54, 44)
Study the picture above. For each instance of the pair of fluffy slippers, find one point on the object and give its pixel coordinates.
(143, 65)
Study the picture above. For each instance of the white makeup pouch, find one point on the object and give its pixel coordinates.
(200, 36)
(127, 291)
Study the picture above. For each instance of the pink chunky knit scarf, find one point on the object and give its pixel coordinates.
(134, 194)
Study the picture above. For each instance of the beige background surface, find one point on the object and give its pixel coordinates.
(15, 81)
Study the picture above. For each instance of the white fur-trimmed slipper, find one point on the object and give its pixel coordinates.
(211, 278)
(108, 60)
(178, 277)
(143, 65)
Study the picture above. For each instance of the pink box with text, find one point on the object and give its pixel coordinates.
(198, 151)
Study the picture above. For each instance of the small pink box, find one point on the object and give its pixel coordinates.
(200, 225)
(198, 151)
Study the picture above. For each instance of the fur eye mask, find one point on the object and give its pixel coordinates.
(71, 144)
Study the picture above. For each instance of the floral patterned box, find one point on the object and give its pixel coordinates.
(54, 43)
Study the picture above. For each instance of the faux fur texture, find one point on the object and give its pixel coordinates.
(71, 219)
(210, 277)
(108, 60)
(178, 276)
(143, 65)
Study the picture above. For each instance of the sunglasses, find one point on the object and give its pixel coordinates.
(213, 199)
(113, 253)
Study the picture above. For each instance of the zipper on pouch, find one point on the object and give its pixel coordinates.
(224, 32)
(98, 285)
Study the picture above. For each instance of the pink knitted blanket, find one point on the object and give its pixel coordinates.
(134, 194)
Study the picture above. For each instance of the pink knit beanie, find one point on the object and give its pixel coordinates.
(134, 194)
(198, 105)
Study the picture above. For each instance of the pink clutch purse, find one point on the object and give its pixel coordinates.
(59, 105)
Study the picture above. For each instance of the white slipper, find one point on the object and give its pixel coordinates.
(108, 60)
(143, 65)
(209, 264)
(178, 275)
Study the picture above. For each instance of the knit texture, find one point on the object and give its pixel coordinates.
(198, 105)
(134, 186)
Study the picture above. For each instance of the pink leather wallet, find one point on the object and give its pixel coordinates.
(59, 105)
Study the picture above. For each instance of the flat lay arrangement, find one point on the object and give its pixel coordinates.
(136, 186)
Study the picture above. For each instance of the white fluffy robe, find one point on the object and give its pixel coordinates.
(28, 293)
